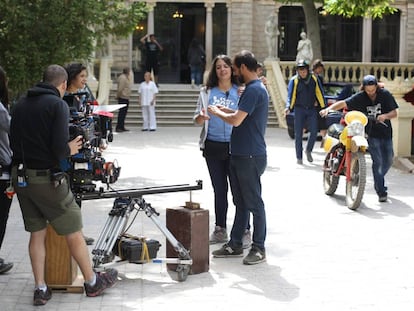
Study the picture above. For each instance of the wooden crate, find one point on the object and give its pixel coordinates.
(191, 228)
(61, 271)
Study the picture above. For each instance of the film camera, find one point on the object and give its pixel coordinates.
(88, 166)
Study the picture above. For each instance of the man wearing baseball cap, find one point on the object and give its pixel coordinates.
(380, 107)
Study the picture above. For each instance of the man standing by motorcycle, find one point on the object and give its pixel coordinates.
(380, 107)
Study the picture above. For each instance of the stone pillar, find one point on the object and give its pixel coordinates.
(402, 123)
(209, 33)
(105, 82)
(229, 21)
(278, 33)
(366, 41)
(92, 81)
(150, 20)
(403, 37)
(130, 51)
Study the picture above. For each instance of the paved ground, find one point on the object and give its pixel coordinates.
(321, 256)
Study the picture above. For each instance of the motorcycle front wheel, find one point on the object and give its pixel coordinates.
(330, 181)
(355, 187)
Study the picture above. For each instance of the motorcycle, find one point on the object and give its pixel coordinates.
(346, 147)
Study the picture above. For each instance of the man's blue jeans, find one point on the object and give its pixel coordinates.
(197, 74)
(245, 172)
(382, 155)
(309, 118)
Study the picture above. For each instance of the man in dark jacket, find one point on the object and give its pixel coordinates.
(39, 140)
(305, 96)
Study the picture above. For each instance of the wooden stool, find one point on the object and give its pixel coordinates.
(61, 269)
(190, 228)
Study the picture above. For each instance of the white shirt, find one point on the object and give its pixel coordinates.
(147, 92)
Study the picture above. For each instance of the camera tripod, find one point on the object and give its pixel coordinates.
(126, 201)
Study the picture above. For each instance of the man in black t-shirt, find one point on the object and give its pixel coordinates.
(152, 49)
(380, 106)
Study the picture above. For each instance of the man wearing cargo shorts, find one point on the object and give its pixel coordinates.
(39, 133)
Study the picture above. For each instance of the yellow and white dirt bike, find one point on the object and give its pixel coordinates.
(346, 147)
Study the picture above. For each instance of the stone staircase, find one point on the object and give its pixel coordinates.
(175, 107)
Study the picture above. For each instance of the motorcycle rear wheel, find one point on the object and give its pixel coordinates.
(330, 181)
(355, 187)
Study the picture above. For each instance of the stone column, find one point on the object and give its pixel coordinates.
(366, 40)
(150, 21)
(92, 81)
(277, 39)
(402, 123)
(209, 33)
(403, 37)
(130, 51)
(229, 21)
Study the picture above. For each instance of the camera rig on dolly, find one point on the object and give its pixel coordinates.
(88, 166)
(126, 201)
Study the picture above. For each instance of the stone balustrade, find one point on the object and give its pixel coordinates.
(354, 72)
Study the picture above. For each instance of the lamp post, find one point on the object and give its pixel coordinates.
(178, 16)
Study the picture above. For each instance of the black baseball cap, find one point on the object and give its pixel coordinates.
(369, 80)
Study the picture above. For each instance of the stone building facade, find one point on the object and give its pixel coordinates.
(228, 26)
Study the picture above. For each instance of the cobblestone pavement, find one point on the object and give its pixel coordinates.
(320, 255)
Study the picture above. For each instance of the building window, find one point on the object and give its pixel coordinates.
(333, 31)
(386, 38)
(219, 29)
(291, 24)
(341, 38)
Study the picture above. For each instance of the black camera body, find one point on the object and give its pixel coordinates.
(88, 166)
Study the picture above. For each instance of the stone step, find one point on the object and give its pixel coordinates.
(175, 107)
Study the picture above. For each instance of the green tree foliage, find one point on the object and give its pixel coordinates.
(36, 33)
(364, 8)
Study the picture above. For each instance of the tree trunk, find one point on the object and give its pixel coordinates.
(312, 27)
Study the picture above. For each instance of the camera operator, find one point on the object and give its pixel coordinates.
(39, 140)
(77, 77)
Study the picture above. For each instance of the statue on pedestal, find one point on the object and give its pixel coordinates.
(271, 31)
(304, 49)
